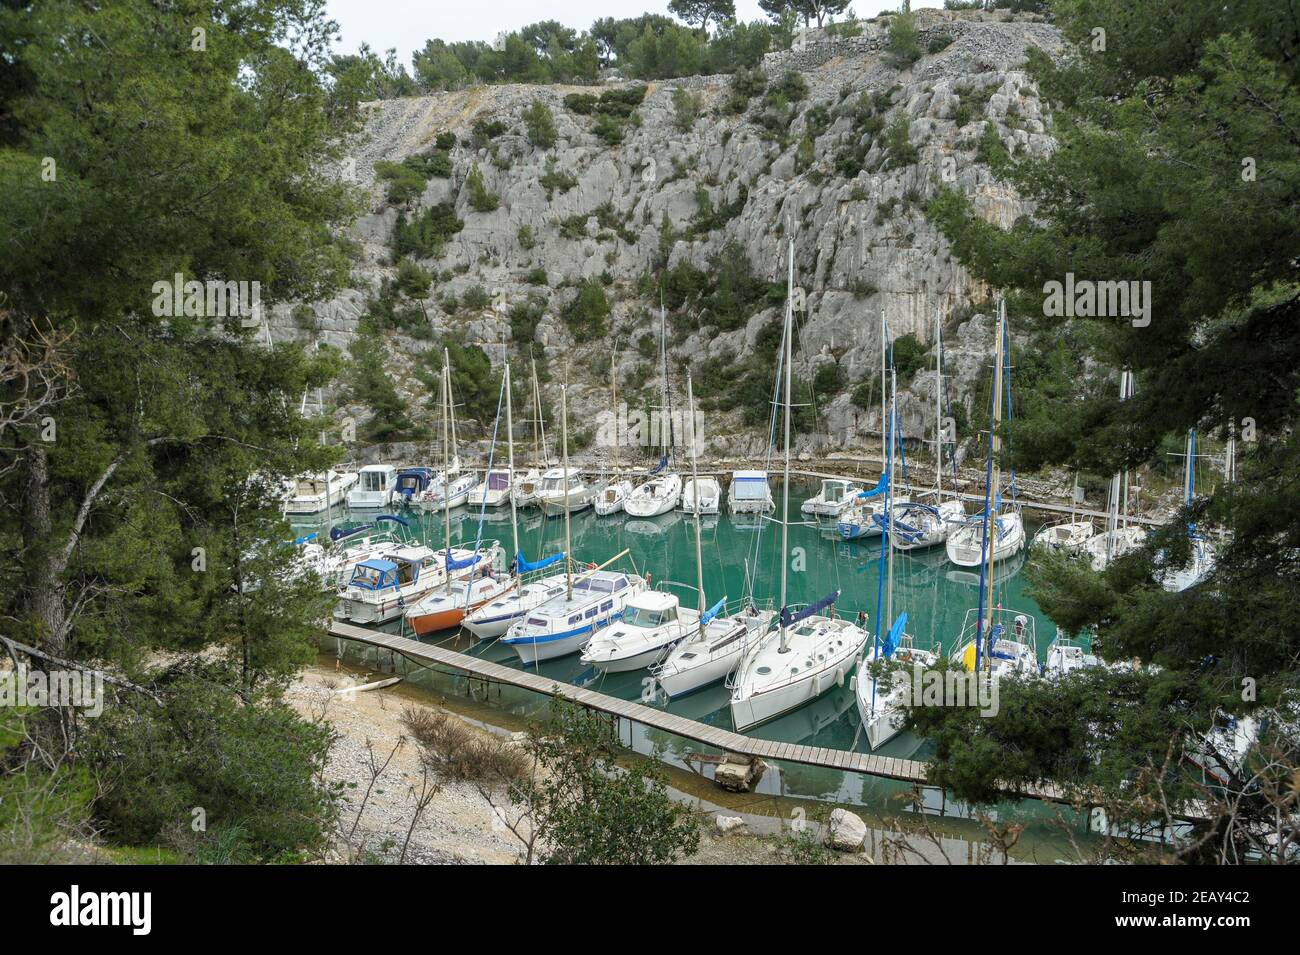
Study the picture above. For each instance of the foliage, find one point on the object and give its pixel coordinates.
(481, 199)
(590, 810)
(586, 316)
(540, 124)
(903, 43)
(899, 151)
(250, 767)
(412, 280)
(426, 236)
(686, 108)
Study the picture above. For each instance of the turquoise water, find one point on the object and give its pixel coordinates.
(935, 594)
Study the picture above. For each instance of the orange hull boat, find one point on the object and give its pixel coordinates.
(447, 618)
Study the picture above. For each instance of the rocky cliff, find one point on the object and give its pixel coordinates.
(821, 169)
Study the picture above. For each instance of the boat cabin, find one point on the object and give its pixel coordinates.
(650, 610)
(411, 481)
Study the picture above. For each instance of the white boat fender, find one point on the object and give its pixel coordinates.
(817, 684)
(839, 676)
(853, 683)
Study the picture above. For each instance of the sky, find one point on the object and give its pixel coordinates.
(406, 24)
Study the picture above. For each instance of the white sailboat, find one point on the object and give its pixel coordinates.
(663, 491)
(1120, 537)
(565, 623)
(1204, 555)
(495, 616)
(880, 698)
(526, 486)
(1065, 655)
(614, 493)
(809, 652)
(996, 534)
(994, 640)
(701, 495)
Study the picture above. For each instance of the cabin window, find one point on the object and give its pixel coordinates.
(607, 605)
(576, 618)
(534, 622)
(592, 612)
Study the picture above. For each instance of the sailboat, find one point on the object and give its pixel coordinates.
(611, 497)
(994, 536)
(809, 652)
(482, 580)
(565, 623)
(879, 700)
(920, 524)
(653, 621)
(453, 486)
(1204, 556)
(1068, 536)
(663, 491)
(1120, 537)
(527, 485)
(496, 615)
(861, 517)
(994, 640)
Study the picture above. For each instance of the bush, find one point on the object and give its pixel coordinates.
(536, 276)
(446, 141)
(899, 151)
(481, 199)
(412, 280)
(552, 179)
(686, 108)
(748, 83)
(586, 316)
(608, 129)
(527, 241)
(904, 41)
(253, 768)
(426, 236)
(540, 124)
(792, 86)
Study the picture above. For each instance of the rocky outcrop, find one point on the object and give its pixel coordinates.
(863, 247)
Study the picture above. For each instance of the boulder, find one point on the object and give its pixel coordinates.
(738, 774)
(727, 824)
(845, 832)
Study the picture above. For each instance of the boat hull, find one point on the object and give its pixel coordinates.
(761, 707)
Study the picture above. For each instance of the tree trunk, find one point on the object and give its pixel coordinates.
(44, 586)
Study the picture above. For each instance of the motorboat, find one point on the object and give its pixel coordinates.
(750, 493)
(835, 495)
(374, 487)
(653, 622)
(319, 492)
(564, 484)
(493, 491)
(706, 491)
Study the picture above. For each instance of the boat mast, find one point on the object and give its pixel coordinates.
(446, 470)
(1230, 455)
(695, 500)
(666, 405)
(564, 438)
(995, 445)
(884, 347)
(788, 354)
(889, 498)
(510, 465)
(613, 402)
(939, 408)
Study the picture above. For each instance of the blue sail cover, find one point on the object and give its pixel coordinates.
(894, 636)
(712, 611)
(470, 561)
(808, 611)
(525, 566)
(873, 491)
(663, 463)
(304, 539)
(394, 518)
(338, 533)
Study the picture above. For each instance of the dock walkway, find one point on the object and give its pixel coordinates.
(906, 770)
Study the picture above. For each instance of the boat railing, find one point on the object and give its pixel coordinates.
(1017, 626)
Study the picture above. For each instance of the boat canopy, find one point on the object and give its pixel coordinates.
(749, 487)
(789, 621)
(524, 566)
(374, 574)
(462, 563)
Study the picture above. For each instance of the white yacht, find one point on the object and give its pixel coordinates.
(1007, 644)
(565, 623)
(455, 489)
(653, 622)
(918, 525)
(712, 655)
(526, 487)
(659, 495)
(612, 497)
(493, 491)
(1066, 537)
(381, 587)
(495, 618)
(880, 701)
(319, 492)
(1007, 538)
(750, 493)
(1065, 655)
(564, 484)
(374, 487)
(835, 495)
(702, 493)
(1109, 546)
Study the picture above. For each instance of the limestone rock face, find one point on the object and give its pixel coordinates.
(862, 244)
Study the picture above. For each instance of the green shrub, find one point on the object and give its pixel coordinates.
(904, 41)
(686, 109)
(586, 315)
(446, 141)
(536, 276)
(899, 151)
(426, 236)
(412, 280)
(792, 86)
(481, 199)
(524, 317)
(527, 240)
(540, 124)
(608, 129)
(552, 179)
(475, 298)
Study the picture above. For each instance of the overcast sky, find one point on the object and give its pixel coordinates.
(406, 24)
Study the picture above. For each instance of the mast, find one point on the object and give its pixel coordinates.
(889, 496)
(613, 401)
(564, 437)
(1230, 455)
(510, 459)
(884, 346)
(995, 445)
(938, 406)
(446, 471)
(788, 355)
(663, 356)
(695, 483)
